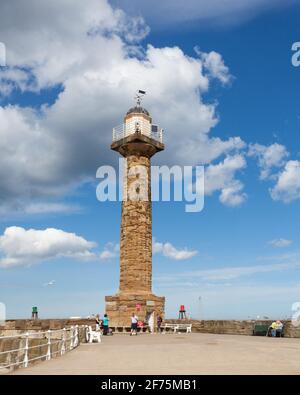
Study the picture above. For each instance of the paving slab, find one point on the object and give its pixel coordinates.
(177, 354)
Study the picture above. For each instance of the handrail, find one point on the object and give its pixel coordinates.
(68, 341)
(124, 130)
(32, 333)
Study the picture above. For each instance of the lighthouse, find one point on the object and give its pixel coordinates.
(137, 140)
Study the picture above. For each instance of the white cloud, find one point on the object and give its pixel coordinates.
(21, 247)
(227, 273)
(269, 157)
(50, 208)
(221, 177)
(16, 209)
(280, 243)
(215, 65)
(50, 283)
(53, 47)
(48, 152)
(169, 251)
(274, 165)
(287, 187)
(110, 251)
(235, 301)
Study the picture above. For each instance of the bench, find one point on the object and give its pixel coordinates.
(260, 330)
(265, 330)
(183, 327)
(93, 335)
(177, 328)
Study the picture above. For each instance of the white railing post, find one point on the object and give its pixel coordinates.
(119, 132)
(48, 355)
(25, 362)
(8, 362)
(86, 330)
(63, 343)
(23, 358)
(71, 338)
(76, 336)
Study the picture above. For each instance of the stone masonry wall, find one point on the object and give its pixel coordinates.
(236, 327)
(136, 229)
(15, 327)
(135, 289)
(230, 327)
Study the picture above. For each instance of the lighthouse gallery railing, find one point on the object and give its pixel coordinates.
(121, 131)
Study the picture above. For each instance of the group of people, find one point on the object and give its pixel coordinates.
(135, 323)
(103, 324)
(276, 328)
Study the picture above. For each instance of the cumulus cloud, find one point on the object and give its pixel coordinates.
(169, 251)
(280, 243)
(215, 65)
(95, 59)
(274, 165)
(25, 247)
(51, 47)
(221, 177)
(269, 157)
(287, 187)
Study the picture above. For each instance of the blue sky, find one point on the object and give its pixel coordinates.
(231, 104)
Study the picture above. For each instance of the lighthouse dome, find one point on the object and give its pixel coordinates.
(138, 110)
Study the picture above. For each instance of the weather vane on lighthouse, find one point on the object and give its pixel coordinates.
(139, 97)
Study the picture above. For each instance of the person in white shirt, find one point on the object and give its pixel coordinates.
(134, 323)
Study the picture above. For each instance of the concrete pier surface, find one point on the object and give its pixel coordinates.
(177, 354)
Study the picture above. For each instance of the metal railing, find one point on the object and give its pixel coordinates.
(123, 130)
(55, 342)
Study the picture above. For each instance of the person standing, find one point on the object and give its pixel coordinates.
(151, 323)
(159, 322)
(98, 322)
(105, 324)
(134, 322)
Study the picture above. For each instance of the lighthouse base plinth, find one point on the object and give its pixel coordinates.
(120, 307)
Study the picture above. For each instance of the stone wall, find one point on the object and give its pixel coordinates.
(15, 327)
(235, 327)
(230, 327)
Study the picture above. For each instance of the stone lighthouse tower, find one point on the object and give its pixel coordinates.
(137, 140)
